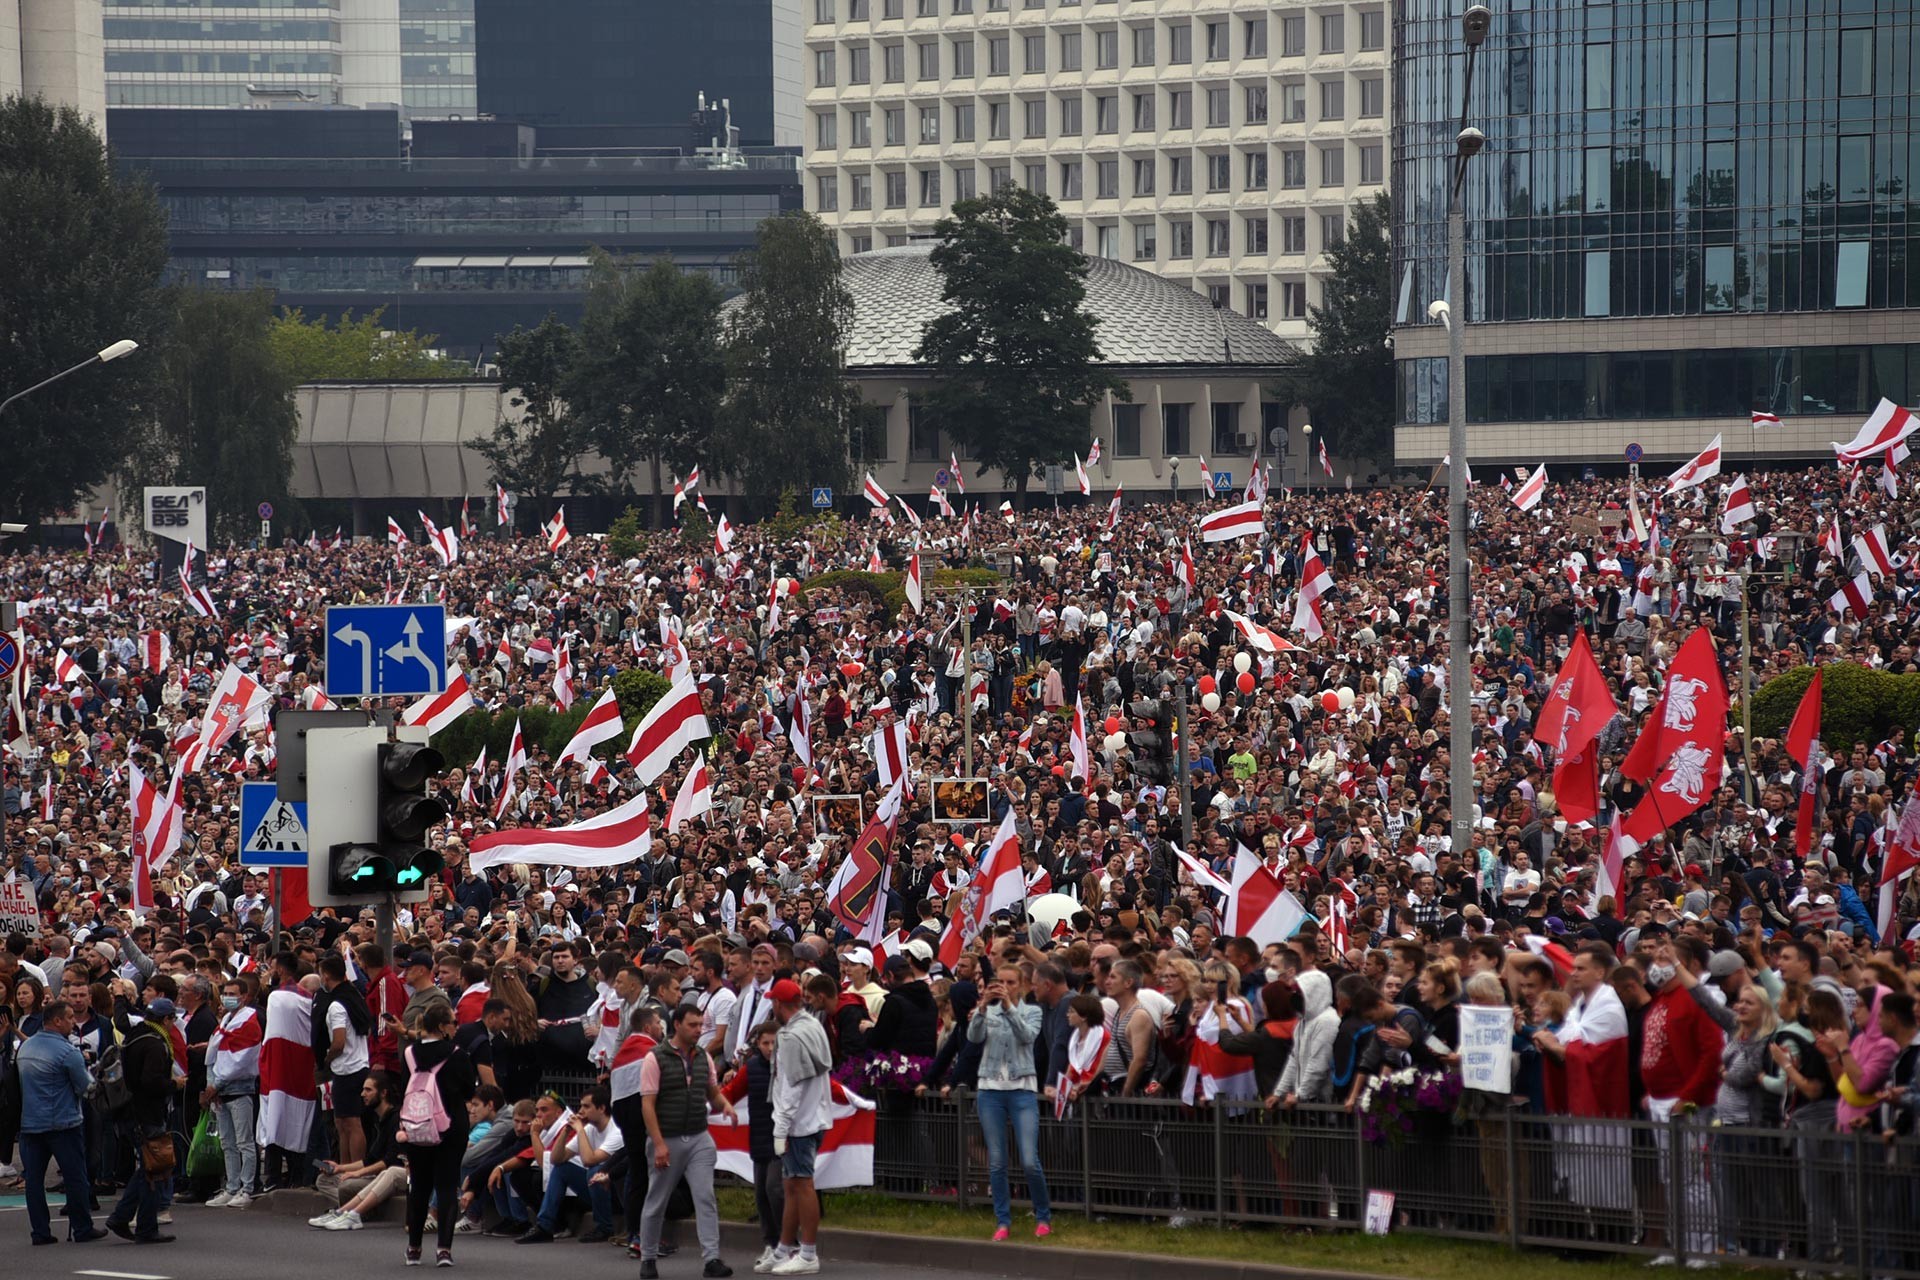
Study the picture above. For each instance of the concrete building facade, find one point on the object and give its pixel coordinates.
(52, 49)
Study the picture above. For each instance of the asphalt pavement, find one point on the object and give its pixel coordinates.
(220, 1244)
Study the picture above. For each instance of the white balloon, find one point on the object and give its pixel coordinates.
(1050, 908)
(1210, 701)
(785, 585)
(1114, 741)
(1346, 698)
(1242, 663)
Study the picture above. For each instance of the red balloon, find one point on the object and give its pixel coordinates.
(851, 669)
(1113, 724)
(1207, 684)
(1330, 700)
(1245, 682)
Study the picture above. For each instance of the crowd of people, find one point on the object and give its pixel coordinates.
(542, 1043)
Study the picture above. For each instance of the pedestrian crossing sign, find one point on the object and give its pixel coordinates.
(274, 831)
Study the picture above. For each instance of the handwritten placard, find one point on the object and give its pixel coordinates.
(1486, 1047)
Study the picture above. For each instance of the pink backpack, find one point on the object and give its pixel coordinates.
(423, 1116)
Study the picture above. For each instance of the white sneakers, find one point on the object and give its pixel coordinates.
(220, 1201)
(765, 1262)
(229, 1200)
(338, 1220)
(797, 1265)
(321, 1220)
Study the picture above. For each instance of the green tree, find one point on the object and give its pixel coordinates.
(651, 369)
(541, 452)
(224, 414)
(790, 408)
(363, 349)
(1017, 356)
(1346, 380)
(80, 268)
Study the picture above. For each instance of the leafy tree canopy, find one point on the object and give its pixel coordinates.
(361, 350)
(540, 453)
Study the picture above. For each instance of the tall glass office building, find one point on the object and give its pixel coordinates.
(1686, 211)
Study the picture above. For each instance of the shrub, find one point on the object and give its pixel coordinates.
(546, 728)
(874, 586)
(1858, 705)
(896, 597)
(623, 535)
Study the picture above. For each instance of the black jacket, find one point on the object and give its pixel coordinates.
(147, 1056)
(909, 1022)
(457, 1080)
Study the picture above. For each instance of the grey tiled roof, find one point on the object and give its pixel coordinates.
(1145, 320)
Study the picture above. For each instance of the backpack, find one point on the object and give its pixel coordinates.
(110, 1076)
(423, 1116)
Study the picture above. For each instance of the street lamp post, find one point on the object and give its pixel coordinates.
(1173, 476)
(1468, 141)
(103, 356)
(1306, 463)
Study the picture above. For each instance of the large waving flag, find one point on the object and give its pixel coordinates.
(1681, 754)
(676, 721)
(1260, 906)
(1575, 711)
(695, 796)
(1315, 582)
(611, 840)
(997, 886)
(603, 724)
(1236, 521)
(846, 1148)
(1884, 428)
(438, 710)
(1704, 467)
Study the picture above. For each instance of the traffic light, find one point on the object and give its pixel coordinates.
(370, 811)
(1153, 748)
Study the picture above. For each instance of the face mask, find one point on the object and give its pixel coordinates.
(229, 1003)
(1659, 975)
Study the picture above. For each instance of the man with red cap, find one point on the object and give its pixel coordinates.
(801, 1098)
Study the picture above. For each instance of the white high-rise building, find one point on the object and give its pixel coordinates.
(51, 49)
(1218, 142)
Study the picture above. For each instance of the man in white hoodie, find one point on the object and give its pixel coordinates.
(801, 1098)
(1307, 1077)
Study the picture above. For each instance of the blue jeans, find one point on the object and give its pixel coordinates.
(140, 1202)
(68, 1148)
(1020, 1108)
(573, 1178)
(234, 1116)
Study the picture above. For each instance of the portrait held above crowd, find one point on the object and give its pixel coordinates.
(1132, 848)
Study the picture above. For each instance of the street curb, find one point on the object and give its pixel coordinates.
(1035, 1261)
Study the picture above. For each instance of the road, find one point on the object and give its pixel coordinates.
(215, 1244)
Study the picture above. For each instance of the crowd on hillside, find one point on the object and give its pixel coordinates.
(574, 1026)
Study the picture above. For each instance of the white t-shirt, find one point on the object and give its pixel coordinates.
(608, 1140)
(354, 1056)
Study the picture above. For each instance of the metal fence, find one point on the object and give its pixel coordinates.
(1806, 1199)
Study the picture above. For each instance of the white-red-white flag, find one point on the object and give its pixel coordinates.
(1884, 428)
(1183, 567)
(1739, 508)
(722, 536)
(997, 886)
(875, 494)
(436, 711)
(1532, 490)
(1326, 463)
(563, 677)
(889, 745)
(156, 649)
(1874, 552)
(1113, 508)
(1704, 466)
(500, 504)
(911, 583)
(695, 796)
(1259, 906)
(1761, 418)
(557, 535)
(1080, 476)
(956, 481)
(1853, 596)
(1237, 521)
(603, 724)
(1262, 638)
(675, 722)
(1315, 582)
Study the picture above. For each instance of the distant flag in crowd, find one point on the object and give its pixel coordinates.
(1184, 571)
(1080, 474)
(1761, 418)
(603, 724)
(563, 677)
(1884, 428)
(396, 536)
(1326, 462)
(1238, 521)
(1853, 596)
(911, 583)
(722, 536)
(1871, 547)
(501, 505)
(156, 649)
(955, 480)
(1529, 494)
(1262, 638)
(557, 535)
(1704, 466)
(676, 721)
(1803, 748)
(436, 711)
(938, 497)
(466, 521)
(876, 496)
(199, 599)
(1315, 583)
(1093, 452)
(1739, 507)
(695, 796)
(1113, 508)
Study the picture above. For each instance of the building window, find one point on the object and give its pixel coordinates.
(929, 125)
(997, 60)
(859, 69)
(1599, 290)
(1333, 165)
(1373, 30)
(927, 9)
(1143, 46)
(1723, 68)
(1033, 54)
(1106, 113)
(1293, 233)
(1256, 233)
(1333, 33)
(997, 121)
(1256, 104)
(1106, 176)
(1070, 115)
(1219, 173)
(1373, 98)
(923, 438)
(1253, 34)
(893, 123)
(1106, 49)
(1293, 299)
(1126, 430)
(1034, 122)
(1293, 168)
(1219, 238)
(963, 183)
(1221, 296)
(1146, 242)
(1257, 301)
(859, 128)
(1070, 185)
(1599, 188)
(1176, 430)
(1293, 36)
(1333, 230)
(1179, 43)
(896, 190)
(1143, 176)
(929, 55)
(826, 190)
(1069, 50)
(1257, 171)
(864, 244)
(1373, 170)
(1179, 238)
(1143, 112)
(856, 10)
(963, 122)
(1106, 239)
(823, 67)
(1226, 428)
(893, 63)
(1180, 174)
(1219, 110)
(1856, 62)
(1333, 99)
(963, 59)
(929, 188)
(999, 177)
(862, 190)
(1293, 102)
(823, 12)
(826, 132)
(893, 10)
(1217, 41)
(1599, 77)
(1180, 109)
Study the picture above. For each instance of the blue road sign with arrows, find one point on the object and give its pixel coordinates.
(376, 650)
